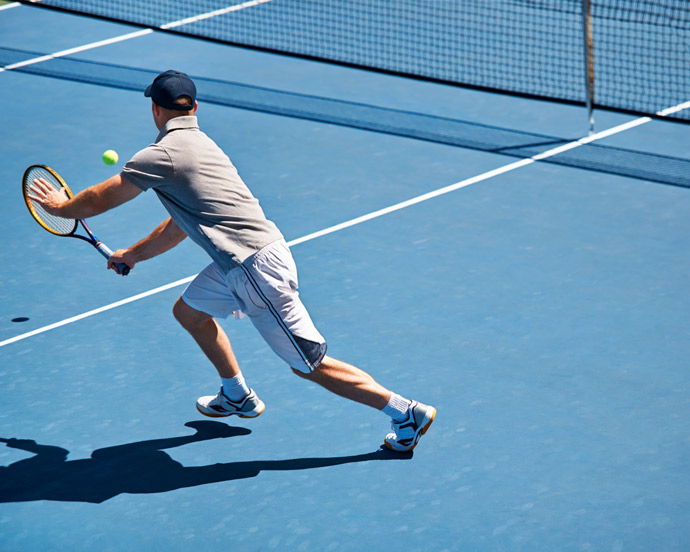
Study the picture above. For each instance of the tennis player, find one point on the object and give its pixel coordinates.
(252, 272)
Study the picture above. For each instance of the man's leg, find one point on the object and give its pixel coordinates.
(278, 314)
(234, 397)
(410, 419)
(209, 336)
(348, 381)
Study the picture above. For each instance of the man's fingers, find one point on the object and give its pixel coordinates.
(42, 185)
(40, 190)
(37, 195)
(45, 194)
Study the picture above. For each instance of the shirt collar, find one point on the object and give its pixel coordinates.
(177, 123)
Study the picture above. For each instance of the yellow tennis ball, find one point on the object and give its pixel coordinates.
(110, 157)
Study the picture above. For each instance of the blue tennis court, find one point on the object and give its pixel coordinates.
(540, 306)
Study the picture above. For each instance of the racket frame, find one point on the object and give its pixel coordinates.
(32, 208)
(90, 238)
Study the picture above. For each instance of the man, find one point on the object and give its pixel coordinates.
(252, 272)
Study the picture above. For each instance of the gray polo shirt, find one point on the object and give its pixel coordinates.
(200, 188)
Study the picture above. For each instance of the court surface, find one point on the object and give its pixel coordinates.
(543, 311)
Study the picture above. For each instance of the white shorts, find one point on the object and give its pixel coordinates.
(264, 288)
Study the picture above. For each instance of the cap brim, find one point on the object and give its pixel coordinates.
(147, 92)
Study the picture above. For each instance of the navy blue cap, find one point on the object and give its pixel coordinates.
(170, 85)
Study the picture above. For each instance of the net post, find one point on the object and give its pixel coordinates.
(588, 42)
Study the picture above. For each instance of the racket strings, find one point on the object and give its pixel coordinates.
(58, 225)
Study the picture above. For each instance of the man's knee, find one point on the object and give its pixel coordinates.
(300, 374)
(311, 376)
(315, 371)
(188, 317)
(179, 311)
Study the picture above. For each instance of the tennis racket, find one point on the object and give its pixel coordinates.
(58, 225)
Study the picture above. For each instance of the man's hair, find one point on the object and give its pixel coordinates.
(184, 100)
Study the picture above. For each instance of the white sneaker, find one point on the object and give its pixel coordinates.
(219, 406)
(406, 434)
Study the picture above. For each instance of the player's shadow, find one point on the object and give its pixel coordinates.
(139, 468)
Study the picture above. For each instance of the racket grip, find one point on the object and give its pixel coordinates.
(107, 253)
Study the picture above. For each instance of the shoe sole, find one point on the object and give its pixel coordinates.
(241, 415)
(419, 435)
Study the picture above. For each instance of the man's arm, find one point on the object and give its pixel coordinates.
(166, 236)
(91, 202)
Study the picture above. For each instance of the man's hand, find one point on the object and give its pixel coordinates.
(48, 197)
(121, 256)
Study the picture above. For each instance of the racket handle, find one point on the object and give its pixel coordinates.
(107, 253)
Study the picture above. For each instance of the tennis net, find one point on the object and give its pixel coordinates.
(639, 51)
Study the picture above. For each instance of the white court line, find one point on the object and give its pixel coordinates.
(397, 207)
(674, 109)
(127, 36)
(83, 48)
(95, 311)
(8, 6)
(216, 13)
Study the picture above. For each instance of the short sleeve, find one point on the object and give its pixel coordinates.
(148, 168)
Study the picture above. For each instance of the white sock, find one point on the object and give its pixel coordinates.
(235, 388)
(397, 407)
